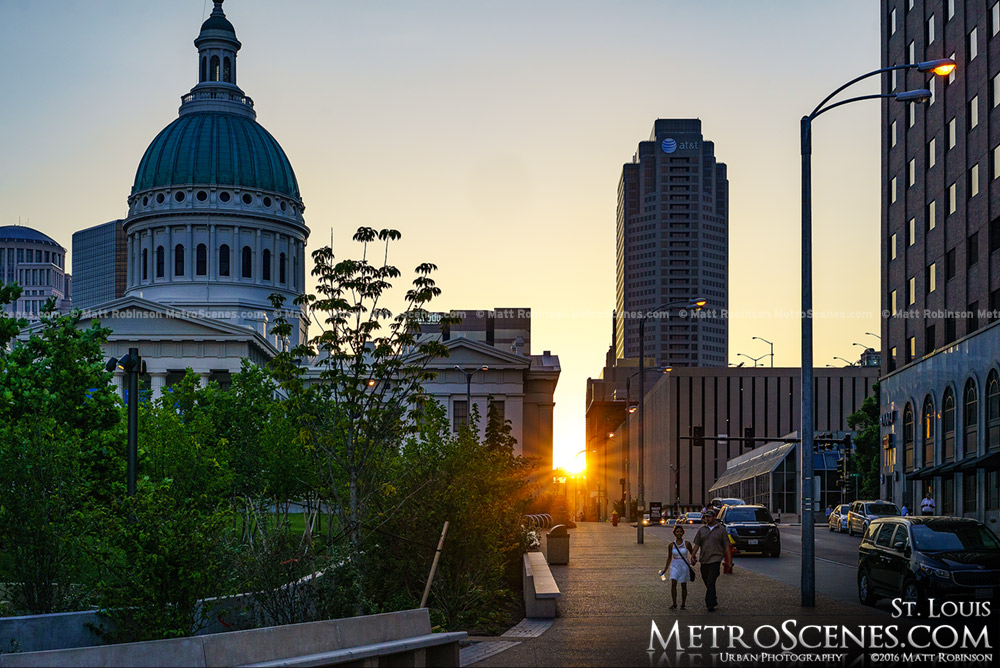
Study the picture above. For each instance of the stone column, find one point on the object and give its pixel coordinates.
(157, 381)
(258, 265)
(203, 379)
(119, 382)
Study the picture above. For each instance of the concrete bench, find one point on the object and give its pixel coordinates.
(394, 638)
(540, 589)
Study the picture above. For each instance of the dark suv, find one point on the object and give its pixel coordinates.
(752, 529)
(919, 558)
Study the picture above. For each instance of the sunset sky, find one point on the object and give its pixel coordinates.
(492, 135)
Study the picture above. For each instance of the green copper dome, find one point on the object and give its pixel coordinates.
(213, 148)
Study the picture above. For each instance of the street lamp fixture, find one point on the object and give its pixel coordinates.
(940, 67)
(875, 335)
(693, 304)
(848, 362)
(133, 365)
(759, 338)
(755, 359)
(468, 390)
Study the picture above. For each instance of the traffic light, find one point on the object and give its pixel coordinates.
(847, 443)
(698, 436)
(748, 436)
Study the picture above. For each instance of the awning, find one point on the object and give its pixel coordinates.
(923, 474)
(948, 469)
(990, 460)
(765, 462)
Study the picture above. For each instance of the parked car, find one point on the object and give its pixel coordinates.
(693, 517)
(838, 518)
(918, 558)
(718, 502)
(862, 513)
(752, 529)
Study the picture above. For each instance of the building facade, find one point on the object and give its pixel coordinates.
(672, 244)
(735, 409)
(37, 263)
(215, 224)
(99, 264)
(940, 394)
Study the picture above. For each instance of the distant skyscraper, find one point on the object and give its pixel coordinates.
(673, 244)
(99, 264)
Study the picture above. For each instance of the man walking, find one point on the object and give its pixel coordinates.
(927, 506)
(711, 546)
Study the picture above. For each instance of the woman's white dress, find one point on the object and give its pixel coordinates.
(679, 567)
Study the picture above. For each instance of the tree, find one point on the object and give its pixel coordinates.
(60, 450)
(498, 429)
(865, 460)
(354, 413)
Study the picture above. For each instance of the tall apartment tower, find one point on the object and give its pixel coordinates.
(673, 245)
(940, 390)
(99, 264)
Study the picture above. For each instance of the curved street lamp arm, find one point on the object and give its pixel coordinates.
(848, 101)
(819, 107)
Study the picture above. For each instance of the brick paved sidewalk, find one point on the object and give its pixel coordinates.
(611, 593)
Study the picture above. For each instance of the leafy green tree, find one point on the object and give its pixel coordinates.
(59, 452)
(865, 461)
(354, 413)
(483, 492)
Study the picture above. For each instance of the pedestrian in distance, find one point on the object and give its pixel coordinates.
(904, 511)
(678, 567)
(829, 509)
(927, 506)
(711, 546)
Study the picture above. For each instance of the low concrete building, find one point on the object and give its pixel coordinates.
(730, 406)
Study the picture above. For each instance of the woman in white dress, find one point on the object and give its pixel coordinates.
(678, 561)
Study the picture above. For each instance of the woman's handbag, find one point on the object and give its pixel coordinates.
(690, 570)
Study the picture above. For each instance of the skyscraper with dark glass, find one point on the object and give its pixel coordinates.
(672, 245)
(99, 264)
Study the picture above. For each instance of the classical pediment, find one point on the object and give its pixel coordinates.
(470, 354)
(137, 319)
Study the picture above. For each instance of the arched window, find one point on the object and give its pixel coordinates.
(223, 260)
(227, 70)
(971, 419)
(948, 420)
(281, 267)
(247, 263)
(928, 430)
(201, 260)
(214, 69)
(204, 69)
(993, 411)
(159, 261)
(145, 264)
(179, 260)
(265, 270)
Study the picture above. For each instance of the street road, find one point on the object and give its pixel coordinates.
(836, 561)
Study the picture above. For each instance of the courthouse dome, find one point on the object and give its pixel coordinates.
(216, 149)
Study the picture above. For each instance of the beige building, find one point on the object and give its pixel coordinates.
(731, 405)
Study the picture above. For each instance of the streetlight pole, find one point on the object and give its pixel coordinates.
(697, 305)
(772, 349)
(940, 67)
(849, 362)
(468, 390)
(132, 364)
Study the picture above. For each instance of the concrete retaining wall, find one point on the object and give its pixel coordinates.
(242, 647)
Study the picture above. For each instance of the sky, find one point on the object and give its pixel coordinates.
(492, 136)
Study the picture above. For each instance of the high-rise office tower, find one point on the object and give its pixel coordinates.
(940, 389)
(99, 264)
(673, 245)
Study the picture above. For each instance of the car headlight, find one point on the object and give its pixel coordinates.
(940, 572)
